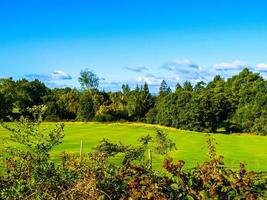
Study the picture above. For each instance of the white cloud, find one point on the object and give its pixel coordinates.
(155, 80)
(262, 67)
(236, 65)
(113, 83)
(149, 80)
(57, 85)
(187, 70)
(56, 75)
(180, 65)
(136, 68)
(60, 75)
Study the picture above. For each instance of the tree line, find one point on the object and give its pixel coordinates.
(237, 104)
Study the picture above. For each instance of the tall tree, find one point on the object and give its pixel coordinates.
(29, 93)
(164, 89)
(86, 110)
(199, 86)
(147, 99)
(188, 86)
(178, 88)
(88, 79)
(8, 96)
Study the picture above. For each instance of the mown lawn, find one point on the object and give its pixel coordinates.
(191, 146)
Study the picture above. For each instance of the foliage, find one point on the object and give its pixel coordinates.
(164, 89)
(88, 79)
(159, 144)
(86, 110)
(163, 144)
(252, 108)
(139, 101)
(62, 104)
(29, 94)
(29, 166)
(7, 97)
(212, 180)
(31, 174)
(238, 104)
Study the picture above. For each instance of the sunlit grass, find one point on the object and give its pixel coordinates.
(191, 146)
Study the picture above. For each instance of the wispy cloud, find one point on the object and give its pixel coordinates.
(41, 77)
(136, 68)
(113, 83)
(187, 70)
(149, 79)
(57, 85)
(262, 67)
(235, 65)
(180, 65)
(55, 75)
(60, 75)
(155, 80)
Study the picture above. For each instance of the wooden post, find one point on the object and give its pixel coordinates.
(81, 150)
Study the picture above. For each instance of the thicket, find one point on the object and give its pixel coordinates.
(28, 172)
(238, 104)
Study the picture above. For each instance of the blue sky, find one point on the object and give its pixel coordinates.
(131, 41)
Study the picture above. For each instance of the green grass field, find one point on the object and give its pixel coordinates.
(191, 146)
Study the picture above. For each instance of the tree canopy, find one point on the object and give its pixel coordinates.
(238, 104)
(88, 79)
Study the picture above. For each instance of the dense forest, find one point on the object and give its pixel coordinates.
(237, 104)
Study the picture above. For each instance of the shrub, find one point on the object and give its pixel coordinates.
(29, 169)
(151, 116)
(104, 118)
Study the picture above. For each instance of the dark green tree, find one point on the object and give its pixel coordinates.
(164, 89)
(8, 96)
(199, 86)
(29, 93)
(178, 88)
(86, 110)
(88, 79)
(188, 86)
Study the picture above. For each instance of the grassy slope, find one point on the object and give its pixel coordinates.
(191, 146)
